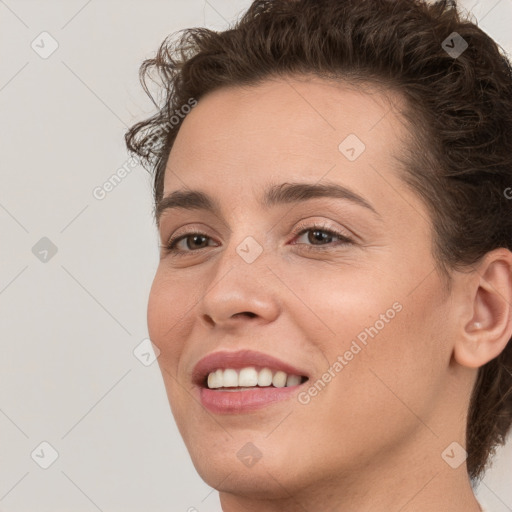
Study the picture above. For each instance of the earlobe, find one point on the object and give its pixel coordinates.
(489, 329)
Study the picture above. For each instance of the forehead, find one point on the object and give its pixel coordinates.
(294, 128)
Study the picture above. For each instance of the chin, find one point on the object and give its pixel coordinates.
(251, 461)
(264, 480)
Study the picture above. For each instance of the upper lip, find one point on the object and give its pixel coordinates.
(240, 359)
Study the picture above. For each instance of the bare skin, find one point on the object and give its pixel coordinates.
(373, 438)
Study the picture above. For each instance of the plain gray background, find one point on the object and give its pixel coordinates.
(73, 305)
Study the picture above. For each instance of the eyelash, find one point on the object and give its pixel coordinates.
(299, 231)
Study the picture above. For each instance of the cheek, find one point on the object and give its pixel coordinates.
(157, 312)
(398, 376)
(168, 316)
(392, 343)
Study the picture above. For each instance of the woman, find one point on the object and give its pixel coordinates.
(333, 300)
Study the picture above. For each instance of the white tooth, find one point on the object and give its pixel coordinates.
(230, 378)
(213, 381)
(265, 377)
(292, 380)
(248, 377)
(279, 379)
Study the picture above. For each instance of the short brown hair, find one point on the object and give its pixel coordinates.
(460, 111)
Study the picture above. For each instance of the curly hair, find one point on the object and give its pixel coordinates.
(459, 108)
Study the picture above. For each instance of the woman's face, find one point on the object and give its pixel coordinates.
(338, 288)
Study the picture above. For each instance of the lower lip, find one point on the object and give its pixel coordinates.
(236, 402)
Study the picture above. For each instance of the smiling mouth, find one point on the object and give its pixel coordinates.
(250, 378)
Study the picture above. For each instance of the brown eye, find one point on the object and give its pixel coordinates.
(192, 241)
(320, 236)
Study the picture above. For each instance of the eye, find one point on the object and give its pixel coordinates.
(196, 238)
(320, 237)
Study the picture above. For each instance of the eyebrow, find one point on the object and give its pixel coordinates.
(284, 193)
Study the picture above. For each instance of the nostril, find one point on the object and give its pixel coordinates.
(248, 313)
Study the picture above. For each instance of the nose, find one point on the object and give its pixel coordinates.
(244, 293)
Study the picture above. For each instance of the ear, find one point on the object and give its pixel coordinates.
(487, 328)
